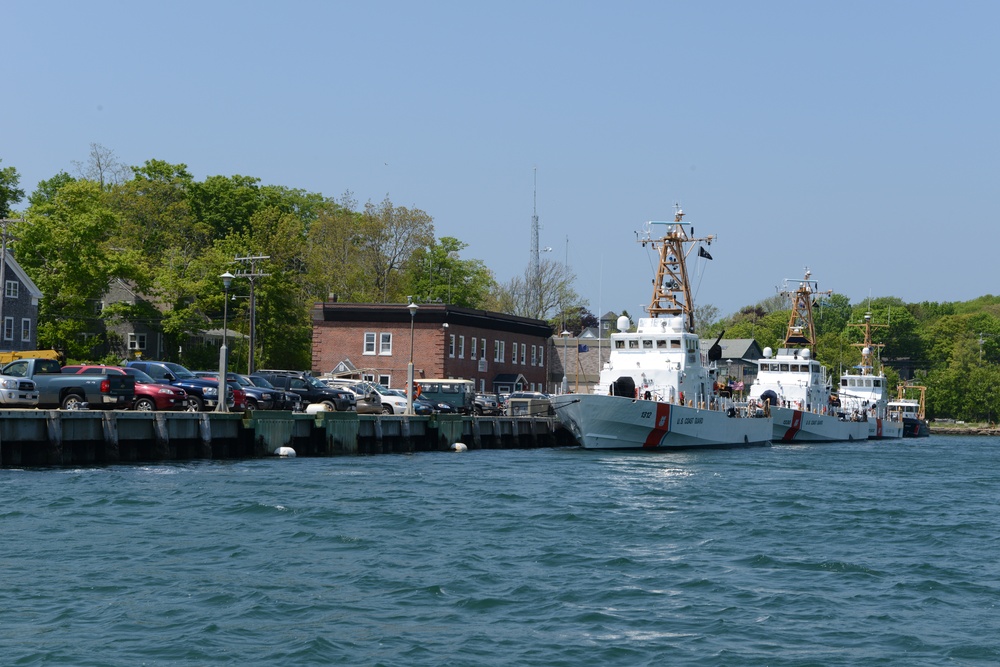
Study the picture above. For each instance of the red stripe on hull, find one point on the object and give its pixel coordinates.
(661, 426)
(794, 428)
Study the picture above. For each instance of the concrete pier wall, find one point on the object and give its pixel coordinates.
(81, 437)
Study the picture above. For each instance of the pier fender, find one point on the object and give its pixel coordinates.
(459, 447)
(313, 408)
(285, 452)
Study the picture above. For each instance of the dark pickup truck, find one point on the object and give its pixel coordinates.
(73, 392)
(310, 389)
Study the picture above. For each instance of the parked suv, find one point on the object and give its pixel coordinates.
(310, 389)
(486, 404)
(202, 394)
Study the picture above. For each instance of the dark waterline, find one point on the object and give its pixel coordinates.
(834, 554)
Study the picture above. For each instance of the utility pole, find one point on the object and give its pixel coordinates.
(251, 273)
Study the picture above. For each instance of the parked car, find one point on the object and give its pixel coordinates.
(310, 389)
(202, 394)
(284, 400)
(367, 400)
(393, 401)
(257, 398)
(58, 390)
(486, 404)
(423, 406)
(420, 406)
(149, 394)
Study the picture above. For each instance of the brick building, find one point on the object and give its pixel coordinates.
(498, 352)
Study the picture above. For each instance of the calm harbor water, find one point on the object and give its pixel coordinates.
(837, 554)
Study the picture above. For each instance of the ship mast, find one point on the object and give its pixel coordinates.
(868, 366)
(801, 330)
(671, 289)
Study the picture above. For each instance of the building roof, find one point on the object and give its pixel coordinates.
(28, 283)
(735, 348)
(429, 313)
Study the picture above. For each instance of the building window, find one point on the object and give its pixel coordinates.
(13, 289)
(541, 355)
(368, 377)
(499, 350)
(385, 343)
(473, 355)
(137, 341)
(534, 355)
(513, 353)
(8, 328)
(370, 343)
(25, 330)
(451, 346)
(384, 380)
(461, 347)
(524, 355)
(482, 346)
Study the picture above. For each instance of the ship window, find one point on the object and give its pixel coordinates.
(877, 382)
(784, 367)
(675, 343)
(633, 344)
(868, 382)
(843, 382)
(661, 344)
(647, 344)
(619, 345)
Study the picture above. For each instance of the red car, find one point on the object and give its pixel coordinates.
(149, 395)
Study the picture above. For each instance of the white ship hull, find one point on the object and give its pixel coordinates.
(883, 429)
(617, 422)
(792, 425)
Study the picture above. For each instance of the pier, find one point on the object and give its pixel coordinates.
(83, 437)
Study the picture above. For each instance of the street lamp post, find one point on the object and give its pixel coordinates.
(221, 406)
(565, 381)
(412, 307)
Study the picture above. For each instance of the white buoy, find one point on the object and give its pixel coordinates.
(459, 447)
(286, 452)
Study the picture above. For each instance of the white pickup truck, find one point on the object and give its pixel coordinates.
(17, 392)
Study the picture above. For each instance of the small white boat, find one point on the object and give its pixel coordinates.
(866, 392)
(795, 387)
(657, 391)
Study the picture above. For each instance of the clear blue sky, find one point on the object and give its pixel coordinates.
(857, 138)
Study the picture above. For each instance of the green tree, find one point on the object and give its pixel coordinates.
(438, 273)
(10, 193)
(62, 246)
(387, 238)
(47, 190)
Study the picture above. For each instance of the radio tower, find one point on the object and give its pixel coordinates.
(536, 288)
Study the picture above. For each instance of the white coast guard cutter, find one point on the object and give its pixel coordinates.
(656, 391)
(867, 392)
(795, 386)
